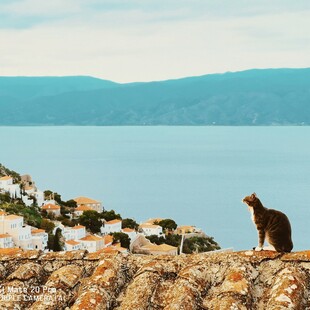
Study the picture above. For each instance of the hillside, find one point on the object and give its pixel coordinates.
(253, 97)
(81, 280)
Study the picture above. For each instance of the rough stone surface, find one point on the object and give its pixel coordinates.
(215, 281)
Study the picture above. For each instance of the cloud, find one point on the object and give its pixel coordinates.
(151, 40)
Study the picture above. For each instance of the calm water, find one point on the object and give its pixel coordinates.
(195, 175)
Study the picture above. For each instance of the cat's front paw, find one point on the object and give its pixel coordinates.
(258, 248)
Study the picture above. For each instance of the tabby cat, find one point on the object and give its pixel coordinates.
(272, 225)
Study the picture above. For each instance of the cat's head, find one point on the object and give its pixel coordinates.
(250, 200)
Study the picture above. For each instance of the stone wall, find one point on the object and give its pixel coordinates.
(215, 281)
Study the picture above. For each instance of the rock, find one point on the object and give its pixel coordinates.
(232, 280)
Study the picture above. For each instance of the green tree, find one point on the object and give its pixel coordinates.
(110, 215)
(199, 244)
(91, 220)
(50, 241)
(122, 238)
(155, 239)
(70, 203)
(47, 225)
(58, 241)
(130, 223)
(168, 224)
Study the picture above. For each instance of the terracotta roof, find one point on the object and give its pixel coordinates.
(50, 207)
(108, 250)
(83, 208)
(108, 239)
(78, 227)
(91, 238)
(128, 230)
(6, 177)
(72, 242)
(13, 217)
(37, 231)
(2, 213)
(113, 222)
(85, 200)
(4, 236)
(149, 226)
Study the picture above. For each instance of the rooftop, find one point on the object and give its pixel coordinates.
(82, 208)
(6, 177)
(85, 200)
(37, 231)
(72, 242)
(78, 227)
(91, 238)
(50, 206)
(232, 280)
(113, 222)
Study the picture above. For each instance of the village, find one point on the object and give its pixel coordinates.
(15, 233)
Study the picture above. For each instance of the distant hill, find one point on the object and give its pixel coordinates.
(252, 97)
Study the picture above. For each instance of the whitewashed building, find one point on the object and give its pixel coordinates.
(39, 239)
(150, 229)
(72, 245)
(92, 243)
(88, 202)
(111, 227)
(130, 232)
(7, 185)
(6, 241)
(14, 226)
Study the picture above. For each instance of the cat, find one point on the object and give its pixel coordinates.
(272, 225)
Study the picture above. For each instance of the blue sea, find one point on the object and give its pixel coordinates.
(195, 175)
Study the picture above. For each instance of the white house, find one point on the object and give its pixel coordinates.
(6, 185)
(39, 239)
(14, 226)
(6, 241)
(78, 232)
(51, 208)
(92, 243)
(72, 245)
(111, 227)
(88, 202)
(6, 181)
(80, 210)
(130, 232)
(150, 229)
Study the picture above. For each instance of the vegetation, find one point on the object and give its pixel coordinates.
(91, 220)
(5, 171)
(47, 225)
(58, 243)
(110, 215)
(168, 225)
(199, 244)
(130, 223)
(122, 238)
(31, 214)
(195, 244)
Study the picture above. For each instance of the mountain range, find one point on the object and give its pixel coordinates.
(252, 97)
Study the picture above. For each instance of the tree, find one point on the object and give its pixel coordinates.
(130, 223)
(110, 215)
(58, 241)
(122, 238)
(155, 239)
(91, 220)
(47, 225)
(168, 224)
(70, 203)
(199, 244)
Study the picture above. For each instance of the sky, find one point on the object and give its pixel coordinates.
(147, 40)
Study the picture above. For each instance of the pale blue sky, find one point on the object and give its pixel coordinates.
(132, 40)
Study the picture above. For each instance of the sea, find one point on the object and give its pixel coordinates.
(194, 175)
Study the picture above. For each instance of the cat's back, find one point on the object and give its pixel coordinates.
(279, 230)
